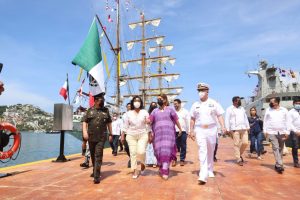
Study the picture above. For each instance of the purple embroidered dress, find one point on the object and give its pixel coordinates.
(163, 127)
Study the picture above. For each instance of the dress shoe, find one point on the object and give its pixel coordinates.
(201, 182)
(279, 169)
(182, 163)
(85, 165)
(97, 180)
(115, 154)
(297, 165)
(92, 175)
(263, 152)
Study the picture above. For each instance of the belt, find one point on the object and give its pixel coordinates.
(206, 126)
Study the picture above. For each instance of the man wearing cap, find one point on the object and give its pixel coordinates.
(205, 115)
(237, 125)
(95, 124)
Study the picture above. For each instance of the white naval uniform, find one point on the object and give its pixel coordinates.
(206, 128)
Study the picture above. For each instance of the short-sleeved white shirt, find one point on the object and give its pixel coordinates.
(206, 113)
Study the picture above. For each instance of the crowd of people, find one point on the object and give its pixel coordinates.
(153, 137)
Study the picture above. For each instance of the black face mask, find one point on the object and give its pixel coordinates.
(160, 102)
(271, 105)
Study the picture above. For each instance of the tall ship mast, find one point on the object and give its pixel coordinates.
(149, 71)
(142, 69)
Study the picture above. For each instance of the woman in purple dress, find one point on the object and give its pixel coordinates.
(163, 120)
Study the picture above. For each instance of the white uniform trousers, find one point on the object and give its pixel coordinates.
(206, 140)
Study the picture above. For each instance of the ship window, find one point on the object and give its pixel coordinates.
(287, 98)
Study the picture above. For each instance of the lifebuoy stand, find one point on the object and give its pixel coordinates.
(63, 121)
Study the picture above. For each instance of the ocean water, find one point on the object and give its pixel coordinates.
(41, 146)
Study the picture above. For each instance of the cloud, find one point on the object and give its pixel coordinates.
(17, 93)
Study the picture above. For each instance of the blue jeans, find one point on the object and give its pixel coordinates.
(114, 144)
(181, 144)
(256, 143)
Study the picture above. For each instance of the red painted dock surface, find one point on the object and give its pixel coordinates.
(255, 180)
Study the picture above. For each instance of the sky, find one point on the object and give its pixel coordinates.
(214, 42)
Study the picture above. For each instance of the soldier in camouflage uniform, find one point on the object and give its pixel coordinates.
(95, 124)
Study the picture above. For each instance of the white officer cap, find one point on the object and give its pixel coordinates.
(202, 86)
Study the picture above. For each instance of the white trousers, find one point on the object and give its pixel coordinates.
(206, 140)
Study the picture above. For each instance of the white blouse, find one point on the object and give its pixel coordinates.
(136, 123)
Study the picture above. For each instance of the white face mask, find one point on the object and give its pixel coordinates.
(136, 104)
(202, 94)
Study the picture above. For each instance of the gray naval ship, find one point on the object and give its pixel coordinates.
(272, 81)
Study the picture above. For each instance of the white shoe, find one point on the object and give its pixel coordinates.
(211, 175)
(165, 177)
(135, 175)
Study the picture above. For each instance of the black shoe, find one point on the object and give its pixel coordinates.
(201, 182)
(296, 165)
(263, 152)
(92, 175)
(129, 164)
(85, 165)
(115, 154)
(96, 180)
(279, 169)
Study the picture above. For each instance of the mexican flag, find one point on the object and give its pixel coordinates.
(64, 90)
(89, 58)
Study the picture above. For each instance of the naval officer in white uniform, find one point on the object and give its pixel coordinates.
(205, 115)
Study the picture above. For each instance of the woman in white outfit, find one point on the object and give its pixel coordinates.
(137, 134)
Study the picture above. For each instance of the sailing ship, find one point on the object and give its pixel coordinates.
(273, 81)
(151, 76)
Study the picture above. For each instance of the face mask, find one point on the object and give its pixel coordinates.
(297, 107)
(201, 94)
(136, 104)
(160, 102)
(271, 105)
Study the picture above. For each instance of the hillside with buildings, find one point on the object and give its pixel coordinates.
(27, 117)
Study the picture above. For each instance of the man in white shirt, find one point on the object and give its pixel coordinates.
(237, 124)
(116, 132)
(275, 125)
(294, 128)
(205, 115)
(184, 120)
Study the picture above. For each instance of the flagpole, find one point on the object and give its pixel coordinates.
(68, 88)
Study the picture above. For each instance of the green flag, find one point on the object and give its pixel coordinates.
(89, 58)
